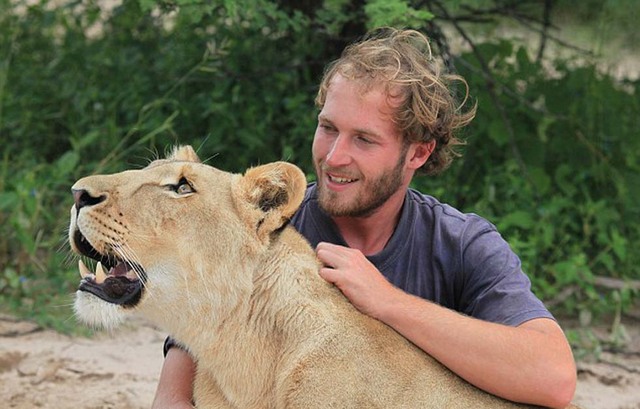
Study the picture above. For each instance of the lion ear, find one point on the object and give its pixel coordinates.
(267, 196)
(184, 153)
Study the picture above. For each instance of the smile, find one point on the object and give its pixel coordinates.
(340, 180)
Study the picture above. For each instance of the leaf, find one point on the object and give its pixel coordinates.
(8, 200)
(498, 132)
(525, 66)
(564, 181)
(66, 163)
(519, 218)
(543, 127)
(77, 143)
(607, 261)
(147, 5)
(540, 179)
(619, 244)
(334, 14)
(395, 13)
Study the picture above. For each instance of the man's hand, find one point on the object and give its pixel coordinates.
(358, 279)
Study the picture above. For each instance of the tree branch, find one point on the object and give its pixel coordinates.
(548, 4)
(491, 88)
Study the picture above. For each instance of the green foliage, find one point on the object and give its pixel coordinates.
(84, 91)
(625, 14)
(557, 177)
(334, 15)
(29, 255)
(394, 13)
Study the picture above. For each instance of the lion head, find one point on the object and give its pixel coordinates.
(153, 231)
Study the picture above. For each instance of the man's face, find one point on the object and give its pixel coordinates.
(358, 153)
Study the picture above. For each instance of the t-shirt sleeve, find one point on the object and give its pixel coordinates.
(494, 286)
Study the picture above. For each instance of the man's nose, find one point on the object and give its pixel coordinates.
(339, 152)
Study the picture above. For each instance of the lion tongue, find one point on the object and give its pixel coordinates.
(125, 269)
(121, 269)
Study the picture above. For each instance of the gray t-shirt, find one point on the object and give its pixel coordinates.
(457, 260)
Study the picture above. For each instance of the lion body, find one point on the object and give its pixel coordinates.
(241, 291)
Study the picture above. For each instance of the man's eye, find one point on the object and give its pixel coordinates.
(327, 128)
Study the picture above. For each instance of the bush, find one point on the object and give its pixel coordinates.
(558, 177)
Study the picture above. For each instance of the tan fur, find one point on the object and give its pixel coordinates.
(245, 297)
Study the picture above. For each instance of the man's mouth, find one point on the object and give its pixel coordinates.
(340, 180)
(115, 280)
(338, 176)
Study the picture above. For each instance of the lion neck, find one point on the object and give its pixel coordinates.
(274, 313)
(272, 303)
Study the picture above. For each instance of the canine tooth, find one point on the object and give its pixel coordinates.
(84, 271)
(100, 274)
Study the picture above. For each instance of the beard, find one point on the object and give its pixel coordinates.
(372, 194)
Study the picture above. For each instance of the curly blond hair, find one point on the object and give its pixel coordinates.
(402, 62)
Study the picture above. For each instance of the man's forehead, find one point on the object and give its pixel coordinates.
(365, 85)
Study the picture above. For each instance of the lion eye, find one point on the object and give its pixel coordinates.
(183, 187)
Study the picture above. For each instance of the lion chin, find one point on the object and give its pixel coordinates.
(208, 257)
(97, 313)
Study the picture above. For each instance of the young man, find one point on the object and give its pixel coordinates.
(445, 280)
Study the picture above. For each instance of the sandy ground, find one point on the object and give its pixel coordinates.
(44, 369)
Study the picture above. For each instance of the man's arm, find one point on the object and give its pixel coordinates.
(531, 363)
(175, 387)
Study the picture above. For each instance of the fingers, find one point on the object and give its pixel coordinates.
(329, 274)
(332, 255)
(344, 266)
(329, 255)
(350, 271)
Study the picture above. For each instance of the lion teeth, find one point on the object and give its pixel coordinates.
(100, 274)
(84, 271)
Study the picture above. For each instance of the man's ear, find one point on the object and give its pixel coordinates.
(267, 196)
(419, 153)
(184, 153)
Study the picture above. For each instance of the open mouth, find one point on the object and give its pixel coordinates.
(115, 280)
(340, 180)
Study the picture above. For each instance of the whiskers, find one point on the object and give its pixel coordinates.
(68, 305)
(209, 158)
(125, 252)
(63, 247)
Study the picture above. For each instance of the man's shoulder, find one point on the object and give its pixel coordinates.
(444, 215)
(310, 193)
(308, 209)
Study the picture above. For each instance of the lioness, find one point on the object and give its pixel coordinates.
(207, 256)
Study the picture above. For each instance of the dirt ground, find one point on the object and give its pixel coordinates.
(43, 369)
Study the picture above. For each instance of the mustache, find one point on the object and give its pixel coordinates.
(339, 171)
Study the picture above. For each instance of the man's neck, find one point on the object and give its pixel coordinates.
(370, 233)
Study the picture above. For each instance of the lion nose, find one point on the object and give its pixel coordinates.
(83, 198)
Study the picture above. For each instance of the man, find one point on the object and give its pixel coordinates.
(445, 280)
